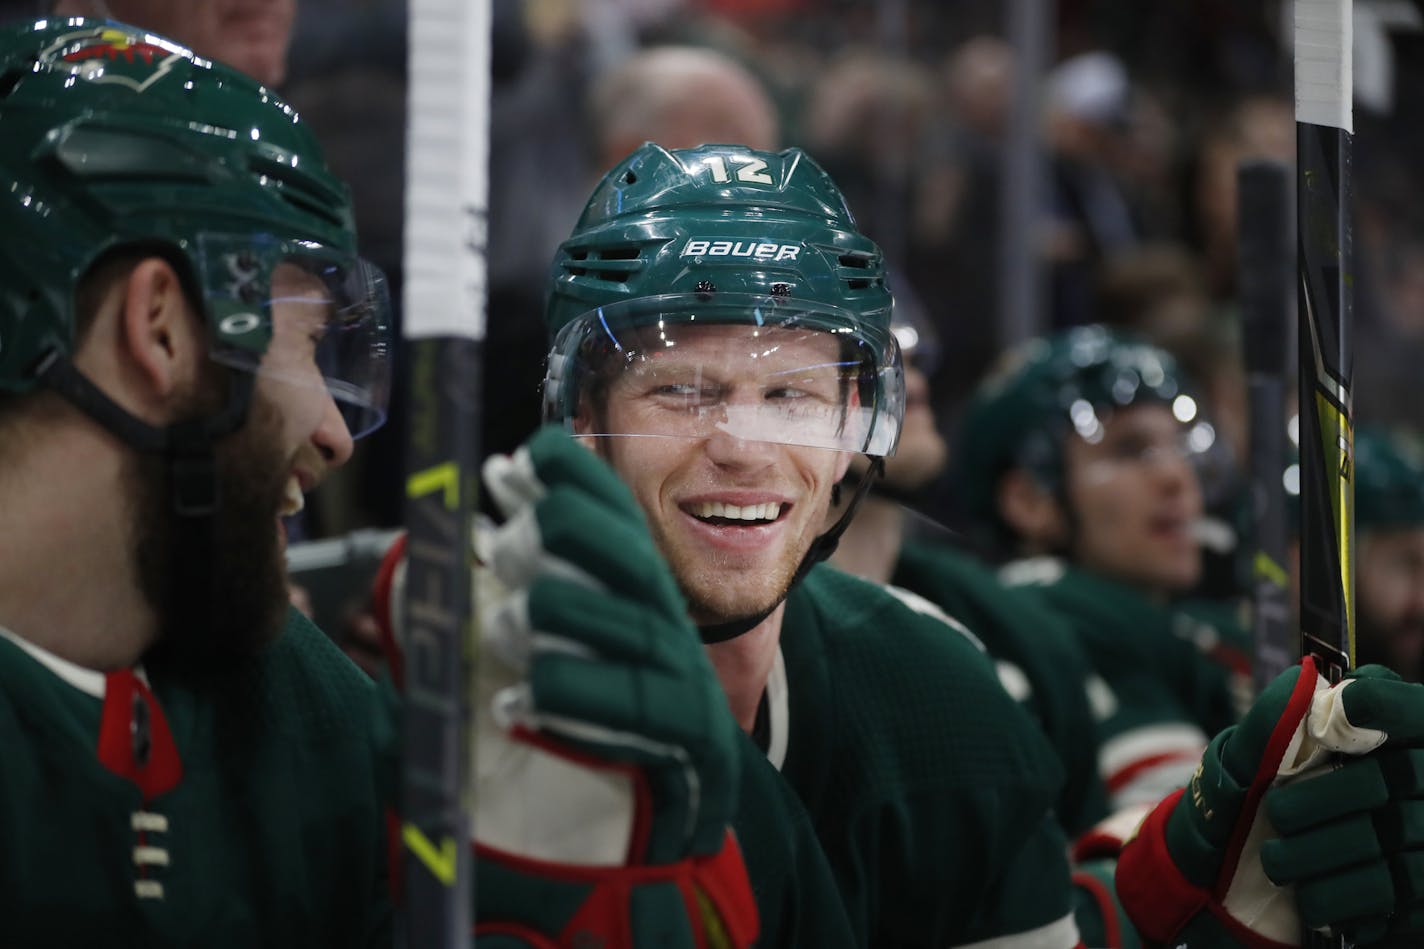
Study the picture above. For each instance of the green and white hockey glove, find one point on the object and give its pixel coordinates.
(1308, 813)
(606, 756)
(622, 730)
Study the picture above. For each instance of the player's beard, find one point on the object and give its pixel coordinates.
(239, 561)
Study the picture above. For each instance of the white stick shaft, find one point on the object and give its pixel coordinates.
(447, 169)
(1324, 71)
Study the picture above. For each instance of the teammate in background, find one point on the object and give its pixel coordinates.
(721, 340)
(1037, 657)
(1078, 456)
(250, 35)
(190, 343)
(1035, 653)
(1389, 521)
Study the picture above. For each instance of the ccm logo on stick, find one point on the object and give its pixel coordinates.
(698, 247)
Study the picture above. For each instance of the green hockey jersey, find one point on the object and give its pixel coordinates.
(1173, 678)
(146, 812)
(929, 787)
(1039, 661)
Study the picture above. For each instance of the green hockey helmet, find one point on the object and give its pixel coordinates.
(115, 140)
(1389, 480)
(726, 290)
(1054, 387)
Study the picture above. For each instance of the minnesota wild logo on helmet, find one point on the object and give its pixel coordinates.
(113, 139)
(732, 289)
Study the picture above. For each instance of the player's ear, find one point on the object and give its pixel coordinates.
(157, 328)
(1031, 511)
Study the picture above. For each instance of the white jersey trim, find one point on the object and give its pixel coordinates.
(926, 607)
(1060, 934)
(778, 705)
(88, 681)
(85, 680)
(1149, 741)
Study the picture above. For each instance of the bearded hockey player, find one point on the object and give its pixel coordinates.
(188, 342)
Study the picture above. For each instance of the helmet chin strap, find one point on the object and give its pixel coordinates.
(821, 549)
(192, 468)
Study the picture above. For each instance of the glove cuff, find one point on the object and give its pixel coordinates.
(1106, 838)
(1153, 891)
(386, 591)
(617, 903)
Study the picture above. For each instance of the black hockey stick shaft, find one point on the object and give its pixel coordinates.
(1326, 422)
(438, 649)
(1325, 317)
(1266, 257)
(445, 295)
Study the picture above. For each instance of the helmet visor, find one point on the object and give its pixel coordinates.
(753, 368)
(304, 314)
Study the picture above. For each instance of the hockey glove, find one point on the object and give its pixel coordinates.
(606, 755)
(1210, 864)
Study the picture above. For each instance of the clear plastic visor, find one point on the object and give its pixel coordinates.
(765, 369)
(305, 315)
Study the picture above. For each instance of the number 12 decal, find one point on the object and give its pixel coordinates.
(750, 170)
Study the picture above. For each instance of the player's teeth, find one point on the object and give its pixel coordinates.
(751, 512)
(292, 500)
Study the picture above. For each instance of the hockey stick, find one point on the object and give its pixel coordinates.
(444, 302)
(1324, 123)
(1267, 267)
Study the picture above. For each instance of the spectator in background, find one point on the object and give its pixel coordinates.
(679, 97)
(249, 35)
(1258, 127)
(1086, 115)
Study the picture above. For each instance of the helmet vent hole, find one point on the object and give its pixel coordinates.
(781, 289)
(858, 261)
(630, 177)
(615, 274)
(706, 287)
(859, 283)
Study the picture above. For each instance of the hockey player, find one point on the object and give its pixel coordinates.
(1077, 456)
(1035, 653)
(188, 342)
(721, 340)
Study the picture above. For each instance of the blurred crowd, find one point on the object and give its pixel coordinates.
(1146, 110)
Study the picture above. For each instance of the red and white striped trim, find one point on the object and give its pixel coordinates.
(1141, 765)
